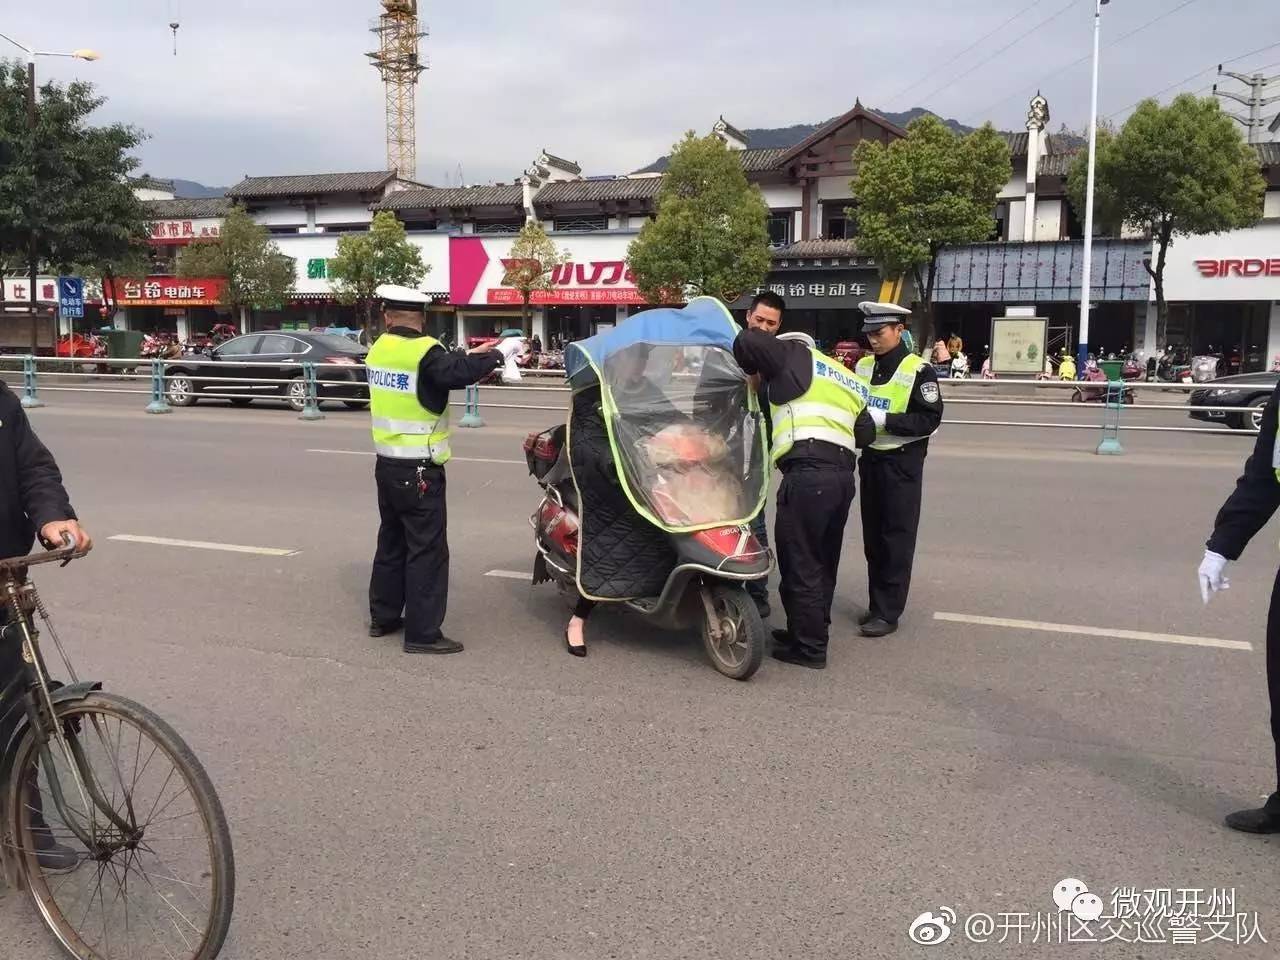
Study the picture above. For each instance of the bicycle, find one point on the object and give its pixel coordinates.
(74, 828)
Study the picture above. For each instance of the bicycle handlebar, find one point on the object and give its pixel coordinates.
(64, 554)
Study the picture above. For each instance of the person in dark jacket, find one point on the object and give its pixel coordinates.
(1245, 512)
(764, 315)
(33, 502)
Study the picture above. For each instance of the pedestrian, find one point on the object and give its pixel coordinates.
(819, 417)
(410, 376)
(906, 404)
(765, 315)
(955, 345)
(33, 502)
(1245, 512)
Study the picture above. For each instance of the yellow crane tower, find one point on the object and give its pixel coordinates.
(399, 65)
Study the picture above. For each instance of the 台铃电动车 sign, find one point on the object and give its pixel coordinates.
(170, 292)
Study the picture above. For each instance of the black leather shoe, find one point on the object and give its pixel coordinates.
(443, 645)
(866, 618)
(377, 629)
(878, 628)
(50, 854)
(1265, 819)
(762, 607)
(792, 655)
(578, 651)
(781, 637)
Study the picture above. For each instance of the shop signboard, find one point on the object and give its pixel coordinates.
(1241, 265)
(1018, 345)
(184, 231)
(169, 292)
(827, 289)
(594, 274)
(19, 289)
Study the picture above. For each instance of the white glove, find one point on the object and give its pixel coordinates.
(510, 372)
(510, 347)
(1212, 574)
(877, 417)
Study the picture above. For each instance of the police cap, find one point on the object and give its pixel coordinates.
(876, 315)
(396, 297)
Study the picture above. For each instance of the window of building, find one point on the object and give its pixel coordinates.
(420, 224)
(1000, 228)
(499, 226)
(1073, 229)
(779, 225)
(586, 224)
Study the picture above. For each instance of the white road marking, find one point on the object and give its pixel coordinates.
(510, 574)
(1093, 631)
(204, 545)
(370, 453)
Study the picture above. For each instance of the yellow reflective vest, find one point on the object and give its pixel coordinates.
(402, 427)
(891, 396)
(826, 411)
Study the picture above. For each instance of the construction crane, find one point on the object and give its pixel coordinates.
(399, 65)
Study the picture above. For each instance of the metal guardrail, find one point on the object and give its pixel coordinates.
(311, 379)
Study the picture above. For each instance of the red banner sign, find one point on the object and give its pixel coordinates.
(1252, 267)
(568, 296)
(170, 292)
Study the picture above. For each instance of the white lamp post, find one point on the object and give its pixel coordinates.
(1086, 279)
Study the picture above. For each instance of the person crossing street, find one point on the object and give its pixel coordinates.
(410, 376)
(906, 404)
(819, 418)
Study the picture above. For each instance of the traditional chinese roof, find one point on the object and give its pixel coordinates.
(1056, 164)
(817, 248)
(312, 184)
(831, 126)
(494, 195)
(591, 191)
(146, 182)
(560, 163)
(731, 131)
(190, 208)
(1268, 154)
(754, 160)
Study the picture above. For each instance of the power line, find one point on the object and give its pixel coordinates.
(983, 38)
(1011, 43)
(1174, 86)
(1088, 56)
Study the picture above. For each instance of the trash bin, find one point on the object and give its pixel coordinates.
(124, 343)
(1111, 368)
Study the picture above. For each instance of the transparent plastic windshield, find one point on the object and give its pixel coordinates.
(686, 435)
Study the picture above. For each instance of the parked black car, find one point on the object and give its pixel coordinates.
(280, 355)
(1247, 391)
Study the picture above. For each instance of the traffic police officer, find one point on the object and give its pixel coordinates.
(410, 376)
(907, 408)
(1246, 511)
(819, 415)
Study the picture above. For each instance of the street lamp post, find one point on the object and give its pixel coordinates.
(1086, 278)
(32, 250)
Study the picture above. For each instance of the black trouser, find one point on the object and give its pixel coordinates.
(759, 589)
(813, 506)
(891, 487)
(1273, 669)
(411, 566)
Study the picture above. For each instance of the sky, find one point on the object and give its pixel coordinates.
(283, 86)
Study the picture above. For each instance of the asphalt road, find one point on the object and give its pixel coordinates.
(516, 802)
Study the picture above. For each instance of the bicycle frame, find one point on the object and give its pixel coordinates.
(33, 696)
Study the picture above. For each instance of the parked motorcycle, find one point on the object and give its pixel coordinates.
(1094, 386)
(959, 367)
(1205, 368)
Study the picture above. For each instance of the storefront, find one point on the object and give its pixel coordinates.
(593, 289)
(182, 307)
(1223, 292)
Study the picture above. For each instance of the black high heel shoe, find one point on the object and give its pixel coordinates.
(574, 651)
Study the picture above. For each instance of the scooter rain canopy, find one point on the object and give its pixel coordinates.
(684, 425)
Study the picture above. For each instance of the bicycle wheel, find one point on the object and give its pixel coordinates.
(157, 879)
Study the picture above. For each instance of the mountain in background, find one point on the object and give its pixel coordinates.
(190, 190)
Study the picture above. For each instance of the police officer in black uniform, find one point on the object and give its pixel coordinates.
(907, 406)
(409, 586)
(1246, 511)
(765, 315)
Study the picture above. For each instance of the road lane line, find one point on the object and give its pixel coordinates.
(510, 574)
(204, 545)
(370, 453)
(1092, 631)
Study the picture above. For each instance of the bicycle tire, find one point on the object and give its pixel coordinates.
(36, 881)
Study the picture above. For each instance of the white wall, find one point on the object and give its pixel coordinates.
(1017, 220)
(149, 193)
(834, 188)
(304, 247)
(1048, 219)
(343, 213)
(1260, 246)
(282, 216)
(1271, 205)
(782, 196)
(1017, 185)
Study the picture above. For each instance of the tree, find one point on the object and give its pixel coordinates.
(257, 274)
(930, 190)
(365, 261)
(710, 236)
(1183, 169)
(65, 200)
(532, 261)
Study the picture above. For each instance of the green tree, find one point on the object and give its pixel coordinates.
(533, 259)
(710, 236)
(257, 274)
(65, 200)
(1183, 169)
(930, 190)
(365, 261)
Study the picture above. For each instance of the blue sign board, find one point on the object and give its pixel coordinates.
(71, 296)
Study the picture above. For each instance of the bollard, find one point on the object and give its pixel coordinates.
(1110, 444)
(29, 398)
(311, 406)
(472, 418)
(159, 396)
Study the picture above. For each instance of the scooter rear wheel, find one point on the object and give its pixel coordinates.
(739, 650)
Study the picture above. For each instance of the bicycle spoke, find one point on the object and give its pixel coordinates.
(172, 771)
(185, 789)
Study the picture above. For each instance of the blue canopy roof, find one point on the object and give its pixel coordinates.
(704, 321)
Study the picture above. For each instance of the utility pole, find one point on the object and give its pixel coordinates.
(1256, 101)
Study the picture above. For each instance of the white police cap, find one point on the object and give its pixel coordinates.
(398, 297)
(876, 315)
